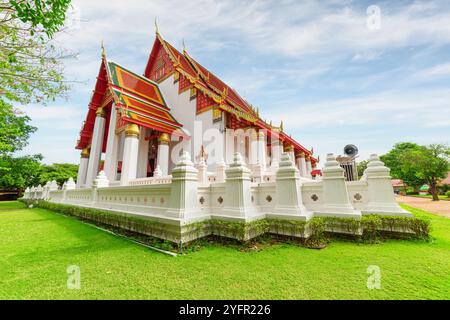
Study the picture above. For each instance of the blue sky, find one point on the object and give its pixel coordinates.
(315, 64)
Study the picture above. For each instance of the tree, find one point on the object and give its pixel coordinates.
(18, 173)
(361, 167)
(14, 129)
(61, 172)
(430, 163)
(30, 65)
(392, 159)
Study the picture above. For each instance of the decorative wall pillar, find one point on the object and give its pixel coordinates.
(130, 154)
(96, 147)
(82, 168)
(202, 171)
(380, 190)
(262, 150)
(289, 197)
(53, 186)
(238, 197)
(335, 194)
(112, 146)
(45, 194)
(101, 181)
(163, 153)
(183, 192)
(26, 193)
(68, 185)
(220, 171)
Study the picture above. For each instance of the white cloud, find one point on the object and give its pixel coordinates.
(311, 40)
(418, 108)
(435, 72)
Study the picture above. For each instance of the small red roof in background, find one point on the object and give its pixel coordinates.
(397, 183)
(316, 172)
(446, 180)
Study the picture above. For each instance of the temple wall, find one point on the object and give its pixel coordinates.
(180, 199)
(184, 111)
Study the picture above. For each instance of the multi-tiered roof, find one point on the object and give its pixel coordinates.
(211, 92)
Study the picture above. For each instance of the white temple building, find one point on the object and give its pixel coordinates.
(178, 146)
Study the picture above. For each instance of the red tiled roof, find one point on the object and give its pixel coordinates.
(446, 180)
(138, 98)
(397, 183)
(226, 97)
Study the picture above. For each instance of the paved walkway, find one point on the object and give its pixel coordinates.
(441, 208)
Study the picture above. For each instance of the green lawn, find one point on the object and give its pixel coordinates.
(37, 246)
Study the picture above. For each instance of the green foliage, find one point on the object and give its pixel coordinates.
(61, 172)
(448, 194)
(14, 129)
(375, 227)
(361, 167)
(20, 172)
(47, 14)
(430, 163)
(392, 159)
(31, 67)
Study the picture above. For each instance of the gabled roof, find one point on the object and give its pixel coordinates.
(226, 97)
(138, 99)
(220, 87)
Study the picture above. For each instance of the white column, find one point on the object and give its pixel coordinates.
(143, 154)
(130, 154)
(381, 193)
(163, 153)
(96, 147)
(112, 143)
(82, 168)
(302, 165)
(335, 194)
(253, 135)
(308, 166)
(277, 148)
(229, 145)
(290, 151)
(240, 134)
(262, 150)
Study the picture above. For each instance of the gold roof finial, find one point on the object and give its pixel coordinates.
(156, 26)
(281, 125)
(184, 46)
(103, 50)
(257, 112)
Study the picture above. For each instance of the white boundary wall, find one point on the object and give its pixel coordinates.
(181, 199)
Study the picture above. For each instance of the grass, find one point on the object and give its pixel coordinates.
(37, 246)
